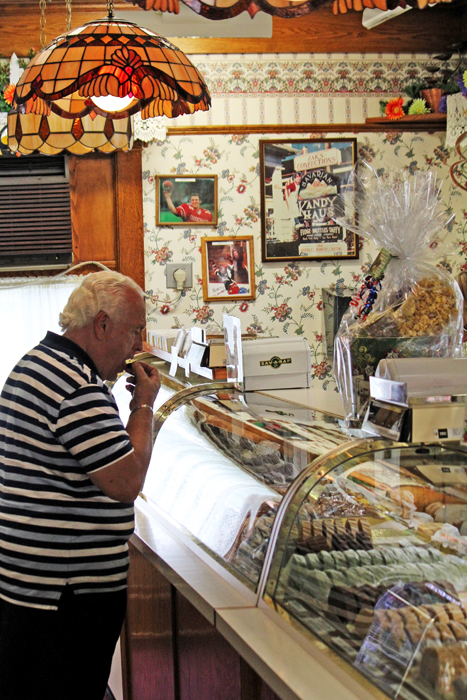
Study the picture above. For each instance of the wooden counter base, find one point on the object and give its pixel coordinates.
(171, 649)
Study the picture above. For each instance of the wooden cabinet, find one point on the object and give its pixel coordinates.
(107, 211)
(171, 648)
(148, 639)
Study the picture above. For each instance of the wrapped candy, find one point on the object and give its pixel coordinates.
(407, 306)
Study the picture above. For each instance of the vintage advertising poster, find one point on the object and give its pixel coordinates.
(302, 188)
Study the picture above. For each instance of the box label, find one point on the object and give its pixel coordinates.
(276, 362)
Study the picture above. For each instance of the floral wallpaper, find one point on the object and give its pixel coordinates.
(302, 88)
(289, 298)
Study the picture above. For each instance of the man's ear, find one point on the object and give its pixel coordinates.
(101, 324)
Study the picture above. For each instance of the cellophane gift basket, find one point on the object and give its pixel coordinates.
(407, 306)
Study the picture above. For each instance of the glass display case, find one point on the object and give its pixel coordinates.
(222, 462)
(370, 557)
(357, 544)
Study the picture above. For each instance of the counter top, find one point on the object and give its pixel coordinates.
(197, 580)
(293, 668)
(314, 398)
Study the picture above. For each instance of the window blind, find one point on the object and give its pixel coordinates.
(35, 213)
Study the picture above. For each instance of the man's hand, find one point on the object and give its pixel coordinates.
(143, 383)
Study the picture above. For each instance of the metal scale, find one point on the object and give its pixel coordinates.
(418, 399)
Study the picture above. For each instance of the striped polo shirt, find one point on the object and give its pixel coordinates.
(59, 423)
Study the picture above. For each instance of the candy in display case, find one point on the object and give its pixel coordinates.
(371, 557)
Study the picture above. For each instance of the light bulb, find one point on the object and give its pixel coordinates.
(110, 103)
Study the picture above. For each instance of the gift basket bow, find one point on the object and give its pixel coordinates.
(407, 306)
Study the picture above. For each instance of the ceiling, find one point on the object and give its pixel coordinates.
(419, 31)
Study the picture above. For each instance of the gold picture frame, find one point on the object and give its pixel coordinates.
(186, 200)
(228, 268)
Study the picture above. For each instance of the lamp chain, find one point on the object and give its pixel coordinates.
(42, 4)
(68, 15)
(110, 8)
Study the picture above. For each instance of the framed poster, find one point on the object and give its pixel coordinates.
(228, 268)
(302, 187)
(186, 199)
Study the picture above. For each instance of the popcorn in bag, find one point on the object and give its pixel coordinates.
(407, 306)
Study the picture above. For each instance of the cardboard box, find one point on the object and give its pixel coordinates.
(216, 344)
(216, 356)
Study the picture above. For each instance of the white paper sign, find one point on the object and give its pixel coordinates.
(173, 362)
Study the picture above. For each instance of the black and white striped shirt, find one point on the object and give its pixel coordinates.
(58, 423)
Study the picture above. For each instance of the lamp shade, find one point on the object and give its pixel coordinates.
(51, 134)
(111, 57)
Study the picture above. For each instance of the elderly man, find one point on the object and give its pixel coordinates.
(69, 473)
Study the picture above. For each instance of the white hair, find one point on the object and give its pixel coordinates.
(99, 291)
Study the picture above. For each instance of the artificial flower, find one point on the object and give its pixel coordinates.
(394, 108)
(443, 104)
(9, 94)
(461, 81)
(418, 106)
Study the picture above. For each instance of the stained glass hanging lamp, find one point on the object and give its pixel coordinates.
(110, 58)
(51, 134)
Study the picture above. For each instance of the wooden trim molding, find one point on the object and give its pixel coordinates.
(129, 209)
(376, 126)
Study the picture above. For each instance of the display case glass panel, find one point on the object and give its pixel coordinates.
(371, 558)
(222, 462)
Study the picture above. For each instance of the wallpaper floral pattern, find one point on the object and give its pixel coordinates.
(289, 298)
(302, 88)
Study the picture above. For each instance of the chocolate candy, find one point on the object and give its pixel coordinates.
(339, 542)
(364, 526)
(305, 530)
(343, 603)
(351, 525)
(317, 527)
(364, 540)
(317, 544)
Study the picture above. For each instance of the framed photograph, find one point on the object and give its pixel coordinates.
(228, 268)
(302, 187)
(183, 200)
